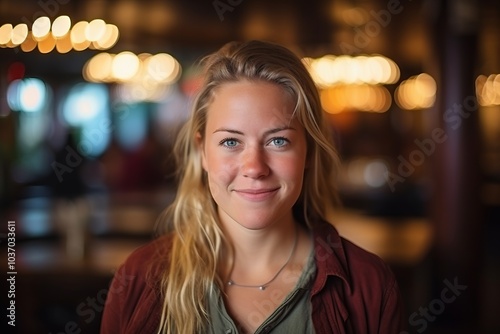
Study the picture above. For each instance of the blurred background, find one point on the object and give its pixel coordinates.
(92, 94)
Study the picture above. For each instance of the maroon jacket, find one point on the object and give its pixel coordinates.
(354, 291)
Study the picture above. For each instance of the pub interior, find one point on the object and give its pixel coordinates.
(93, 93)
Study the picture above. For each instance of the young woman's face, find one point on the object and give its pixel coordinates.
(254, 154)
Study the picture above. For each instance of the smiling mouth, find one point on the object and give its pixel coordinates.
(256, 194)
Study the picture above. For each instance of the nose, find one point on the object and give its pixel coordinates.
(254, 164)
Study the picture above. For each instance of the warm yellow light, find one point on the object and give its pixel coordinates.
(125, 66)
(349, 97)
(63, 44)
(95, 30)
(330, 70)
(340, 68)
(376, 70)
(61, 26)
(386, 68)
(383, 100)
(78, 32)
(496, 82)
(47, 35)
(399, 97)
(41, 28)
(360, 97)
(81, 46)
(19, 34)
(486, 93)
(108, 39)
(29, 44)
(347, 70)
(323, 69)
(5, 33)
(488, 90)
(394, 72)
(162, 67)
(418, 92)
(98, 68)
(425, 86)
(47, 44)
(496, 88)
(142, 77)
(364, 70)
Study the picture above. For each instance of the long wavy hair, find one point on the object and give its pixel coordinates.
(192, 218)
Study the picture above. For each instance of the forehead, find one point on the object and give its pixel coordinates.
(251, 100)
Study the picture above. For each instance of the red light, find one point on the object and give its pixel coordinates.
(16, 71)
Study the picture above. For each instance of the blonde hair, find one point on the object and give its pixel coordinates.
(197, 238)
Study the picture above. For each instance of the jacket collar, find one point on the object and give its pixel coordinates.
(330, 256)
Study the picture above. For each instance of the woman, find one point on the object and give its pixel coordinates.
(247, 247)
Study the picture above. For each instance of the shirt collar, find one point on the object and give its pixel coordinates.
(330, 256)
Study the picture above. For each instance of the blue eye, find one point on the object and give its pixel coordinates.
(279, 141)
(229, 142)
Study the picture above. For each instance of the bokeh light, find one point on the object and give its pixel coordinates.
(41, 28)
(364, 97)
(78, 33)
(28, 95)
(29, 43)
(98, 68)
(84, 102)
(416, 93)
(5, 33)
(125, 66)
(330, 70)
(47, 44)
(59, 35)
(61, 26)
(95, 30)
(19, 34)
(488, 90)
(108, 39)
(86, 107)
(143, 77)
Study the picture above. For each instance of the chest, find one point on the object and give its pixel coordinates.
(249, 308)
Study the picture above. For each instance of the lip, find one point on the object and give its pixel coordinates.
(257, 194)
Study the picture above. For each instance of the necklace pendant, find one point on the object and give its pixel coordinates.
(265, 285)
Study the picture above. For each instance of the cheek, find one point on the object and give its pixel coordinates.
(220, 175)
(293, 168)
(294, 174)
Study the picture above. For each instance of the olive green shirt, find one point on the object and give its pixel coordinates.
(293, 315)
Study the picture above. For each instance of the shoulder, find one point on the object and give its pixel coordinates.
(352, 283)
(359, 273)
(132, 303)
(142, 268)
(340, 257)
(149, 258)
(366, 264)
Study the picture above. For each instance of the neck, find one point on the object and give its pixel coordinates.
(258, 254)
(263, 245)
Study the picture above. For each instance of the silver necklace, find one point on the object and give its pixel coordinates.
(265, 285)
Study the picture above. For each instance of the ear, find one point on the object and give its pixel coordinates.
(200, 143)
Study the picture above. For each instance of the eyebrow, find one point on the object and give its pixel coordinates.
(268, 132)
